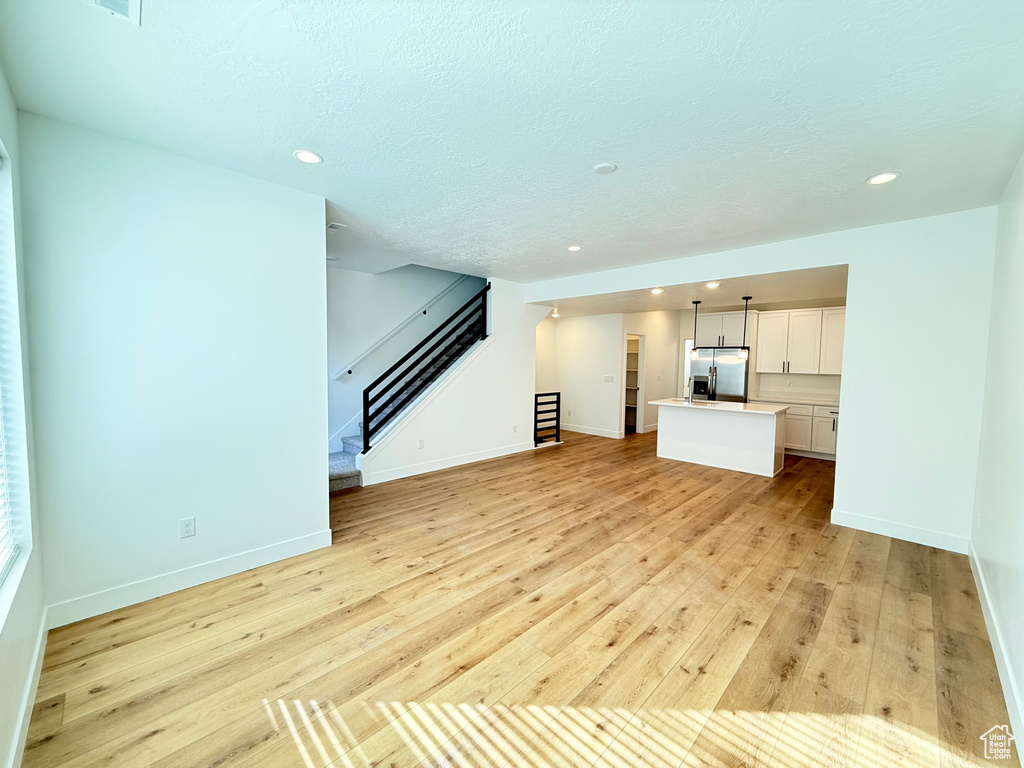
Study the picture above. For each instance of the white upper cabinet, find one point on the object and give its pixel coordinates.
(772, 342)
(800, 341)
(833, 327)
(804, 341)
(732, 329)
(709, 330)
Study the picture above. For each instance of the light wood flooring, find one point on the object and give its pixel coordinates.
(582, 605)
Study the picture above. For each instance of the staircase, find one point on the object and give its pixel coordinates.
(343, 470)
(405, 382)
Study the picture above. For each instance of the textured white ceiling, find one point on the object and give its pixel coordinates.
(820, 287)
(460, 134)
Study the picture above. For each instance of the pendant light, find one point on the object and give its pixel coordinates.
(693, 352)
(744, 352)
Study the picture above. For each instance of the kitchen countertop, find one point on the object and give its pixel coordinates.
(764, 409)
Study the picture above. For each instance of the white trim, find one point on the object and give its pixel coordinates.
(901, 531)
(594, 431)
(29, 697)
(650, 427)
(106, 600)
(1004, 663)
(445, 463)
(810, 454)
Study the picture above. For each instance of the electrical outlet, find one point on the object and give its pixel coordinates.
(186, 527)
(515, 428)
(569, 411)
(789, 383)
(609, 377)
(423, 443)
(659, 377)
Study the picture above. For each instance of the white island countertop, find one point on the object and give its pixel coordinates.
(765, 409)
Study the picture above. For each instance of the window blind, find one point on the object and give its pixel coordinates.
(8, 548)
(12, 402)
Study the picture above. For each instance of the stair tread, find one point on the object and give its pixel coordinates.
(342, 464)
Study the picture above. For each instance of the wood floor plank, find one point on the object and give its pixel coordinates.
(585, 605)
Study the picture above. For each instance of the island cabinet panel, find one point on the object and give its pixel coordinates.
(833, 328)
(772, 342)
(804, 342)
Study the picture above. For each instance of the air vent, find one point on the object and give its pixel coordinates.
(129, 10)
(334, 226)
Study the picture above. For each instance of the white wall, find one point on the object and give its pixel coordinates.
(998, 539)
(586, 349)
(22, 628)
(177, 337)
(911, 418)
(482, 409)
(361, 310)
(661, 358)
(547, 371)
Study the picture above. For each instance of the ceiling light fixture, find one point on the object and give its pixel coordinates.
(656, 291)
(711, 285)
(883, 178)
(555, 313)
(307, 156)
(575, 248)
(605, 168)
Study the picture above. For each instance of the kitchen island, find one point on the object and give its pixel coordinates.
(746, 437)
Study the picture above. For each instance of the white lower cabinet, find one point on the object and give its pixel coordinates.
(798, 427)
(824, 429)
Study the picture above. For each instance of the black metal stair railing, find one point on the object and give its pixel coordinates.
(401, 384)
(547, 418)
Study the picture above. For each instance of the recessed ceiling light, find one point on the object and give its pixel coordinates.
(605, 168)
(575, 247)
(656, 291)
(883, 178)
(711, 285)
(554, 314)
(308, 156)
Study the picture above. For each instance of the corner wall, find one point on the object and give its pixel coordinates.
(482, 409)
(661, 358)
(997, 544)
(177, 337)
(911, 417)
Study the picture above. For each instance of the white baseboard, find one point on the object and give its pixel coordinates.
(1004, 662)
(29, 697)
(83, 607)
(901, 531)
(650, 427)
(592, 431)
(372, 478)
(810, 454)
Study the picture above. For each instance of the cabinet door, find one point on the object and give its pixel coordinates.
(732, 330)
(823, 435)
(772, 342)
(804, 341)
(833, 327)
(709, 330)
(798, 432)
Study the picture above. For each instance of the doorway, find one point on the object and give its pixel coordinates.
(633, 409)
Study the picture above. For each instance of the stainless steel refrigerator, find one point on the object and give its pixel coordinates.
(719, 374)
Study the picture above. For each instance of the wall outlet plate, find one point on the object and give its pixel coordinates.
(186, 527)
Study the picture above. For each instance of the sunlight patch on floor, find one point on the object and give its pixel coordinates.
(449, 735)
